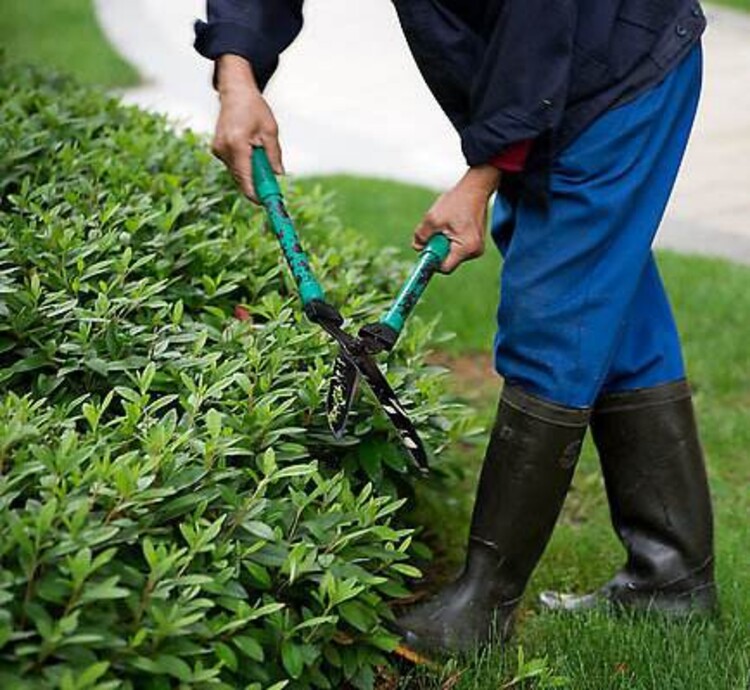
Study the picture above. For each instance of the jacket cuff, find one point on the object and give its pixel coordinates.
(481, 141)
(513, 159)
(215, 39)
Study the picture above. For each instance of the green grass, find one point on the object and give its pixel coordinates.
(63, 35)
(737, 4)
(711, 299)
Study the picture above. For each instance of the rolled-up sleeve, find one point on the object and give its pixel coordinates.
(521, 89)
(257, 30)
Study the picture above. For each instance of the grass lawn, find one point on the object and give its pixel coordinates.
(711, 299)
(65, 35)
(738, 4)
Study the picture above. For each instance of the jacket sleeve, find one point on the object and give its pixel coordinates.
(447, 51)
(519, 93)
(258, 30)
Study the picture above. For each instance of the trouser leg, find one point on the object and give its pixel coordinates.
(644, 429)
(648, 353)
(573, 268)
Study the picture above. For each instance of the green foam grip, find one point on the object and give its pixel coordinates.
(269, 193)
(429, 262)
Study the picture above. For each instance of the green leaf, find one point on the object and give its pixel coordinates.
(227, 656)
(46, 516)
(388, 643)
(213, 423)
(128, 394)
(259, 574)
(146, 378)
(149, 552)
(174, 666)
(178, 312)
(291, 657)
(316, 621)
(259, 529)
(249, 646)
(364, 678)
(68, 624)
(266, 610)
(91, 675)
(97, 365)
(103, 591)
(358, 615)
(406, 569)
(279, 686)
(268, 462)
(296, 471)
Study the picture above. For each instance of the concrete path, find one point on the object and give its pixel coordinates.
(349, 99)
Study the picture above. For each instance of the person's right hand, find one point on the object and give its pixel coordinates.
(245, 120)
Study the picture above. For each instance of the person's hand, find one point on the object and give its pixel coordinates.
(461, 214)
(245, 120)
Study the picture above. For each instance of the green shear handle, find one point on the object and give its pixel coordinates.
(429, 262)
(269, 193)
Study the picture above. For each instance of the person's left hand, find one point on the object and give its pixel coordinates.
(461, 214)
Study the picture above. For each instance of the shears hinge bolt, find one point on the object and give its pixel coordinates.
(379, 337)
(318, 311)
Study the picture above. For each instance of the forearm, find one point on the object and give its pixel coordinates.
(482, 179)
(234, 73)
(245, 121)
(256, 30)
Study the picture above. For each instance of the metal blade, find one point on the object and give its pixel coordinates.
(392, 407)
(341, 392)
(354, 351)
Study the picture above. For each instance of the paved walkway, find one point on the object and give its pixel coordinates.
(349, 98)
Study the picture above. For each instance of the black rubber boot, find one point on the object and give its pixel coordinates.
(660, 504)
(527, 471)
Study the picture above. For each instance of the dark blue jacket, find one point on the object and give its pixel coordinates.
(502, 70)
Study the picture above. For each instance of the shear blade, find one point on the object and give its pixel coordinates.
(392, 408)
(341, 392)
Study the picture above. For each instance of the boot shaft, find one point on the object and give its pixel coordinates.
(527, 471)
(656, 483)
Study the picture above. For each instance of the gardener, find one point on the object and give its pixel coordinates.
(579, 111)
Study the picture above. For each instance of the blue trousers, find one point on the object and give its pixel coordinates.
(582, 307)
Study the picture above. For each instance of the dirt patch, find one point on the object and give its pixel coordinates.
(473, 374)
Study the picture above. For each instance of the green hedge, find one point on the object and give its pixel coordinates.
(173, 510)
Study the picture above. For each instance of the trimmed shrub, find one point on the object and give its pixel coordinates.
(173, 509)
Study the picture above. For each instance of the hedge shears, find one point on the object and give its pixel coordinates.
(356, 353)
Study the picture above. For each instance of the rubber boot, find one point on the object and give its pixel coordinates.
(660, 504)
(526, 475)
